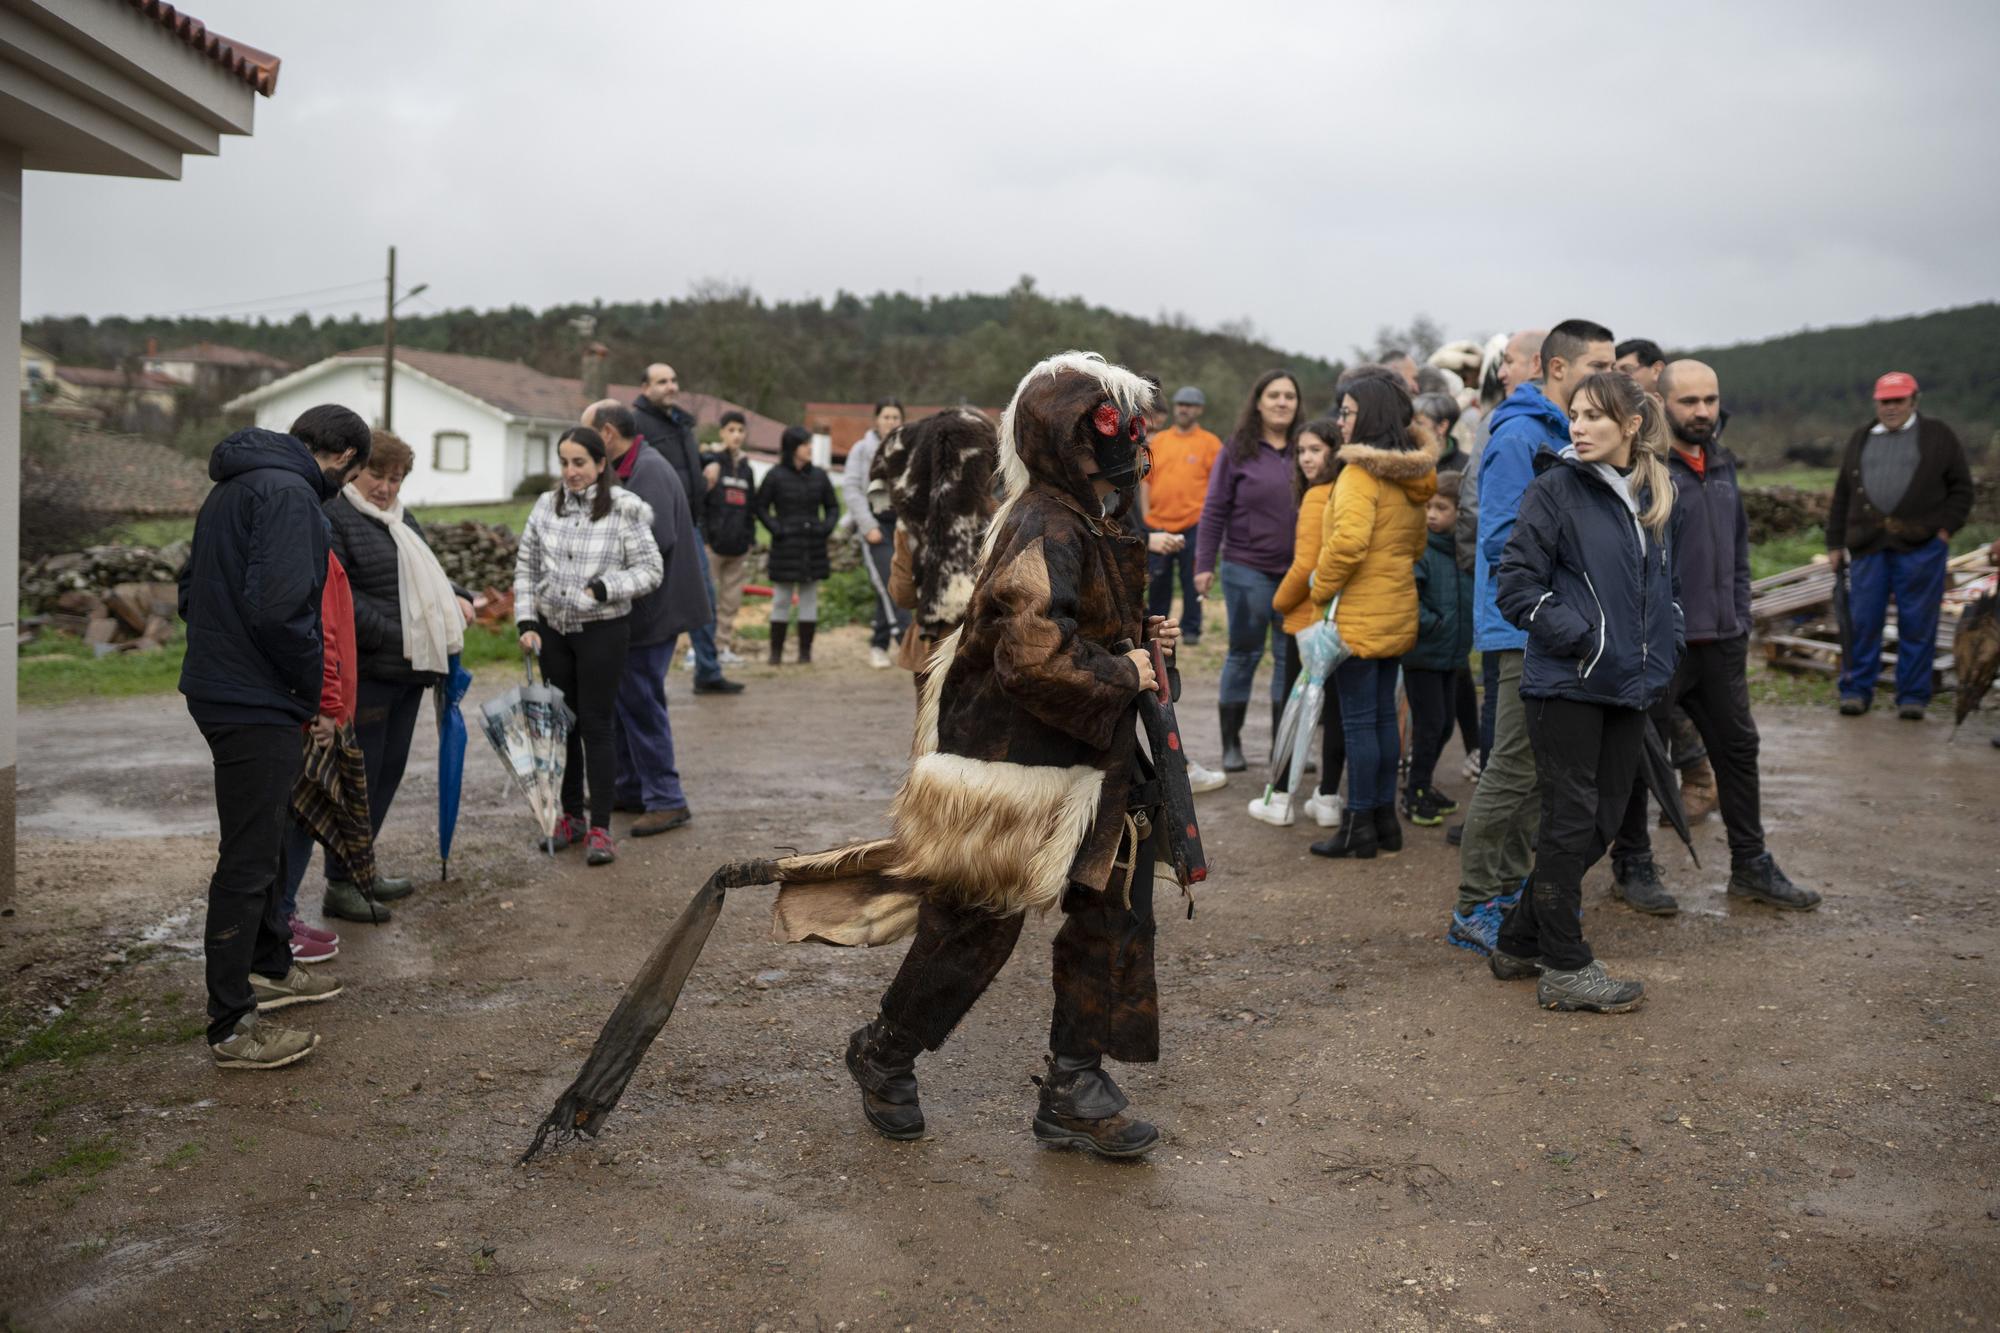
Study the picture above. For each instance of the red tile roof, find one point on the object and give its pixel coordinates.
(257, 68)
(96, 377)
(219, 354)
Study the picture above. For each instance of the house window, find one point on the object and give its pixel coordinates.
(451, 451)
(536, 456)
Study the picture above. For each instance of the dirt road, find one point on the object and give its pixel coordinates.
(1364, 1129)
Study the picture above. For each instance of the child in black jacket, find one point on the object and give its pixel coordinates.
(1588, 573)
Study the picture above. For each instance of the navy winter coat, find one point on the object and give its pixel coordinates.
(1602, 614)
(1711, 547)
(251, 587)
(1444, 608)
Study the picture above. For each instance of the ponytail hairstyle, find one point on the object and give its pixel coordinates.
(1618, 396)
(593, 444)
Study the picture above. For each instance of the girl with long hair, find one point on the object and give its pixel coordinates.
(1247, 528)
(1374, 534)
(586, 552)
(1589, 575)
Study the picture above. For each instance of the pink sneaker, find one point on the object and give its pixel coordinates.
(602, 853)
(313, 932)
(305, 949)
(570, 830)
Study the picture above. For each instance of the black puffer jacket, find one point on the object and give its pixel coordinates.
(1602, 614)
(368, 552)
(251, 587)
(798, 506)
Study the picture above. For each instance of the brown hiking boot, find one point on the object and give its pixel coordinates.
(1698, 796)
(884, 1062)
(659, 821)
(1082, 1108)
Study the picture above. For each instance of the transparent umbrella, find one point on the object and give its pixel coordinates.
(529, 728)
(1320, 651)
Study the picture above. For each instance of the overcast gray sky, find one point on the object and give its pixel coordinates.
(1694, 172)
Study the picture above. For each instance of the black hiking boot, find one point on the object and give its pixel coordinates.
(1388, 829)
(1506, 967)
(1763, 881)
(1232, 737)
(778, 628)
(884, 1062)
(1636, 882)
(1082, 1108)
(1354, 838)
(807, 628)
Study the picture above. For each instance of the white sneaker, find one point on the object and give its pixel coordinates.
(1275, 810)
(687, 660)
(1324, 809)
(879, 659)
(1202, 778)
(1470, 768)
(727, 658)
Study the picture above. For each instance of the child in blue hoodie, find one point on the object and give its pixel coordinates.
(1444, 638)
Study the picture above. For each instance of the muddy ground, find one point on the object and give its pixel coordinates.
(1364, 1130)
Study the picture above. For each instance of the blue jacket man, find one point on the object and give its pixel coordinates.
(250, 594)
(1526, 423)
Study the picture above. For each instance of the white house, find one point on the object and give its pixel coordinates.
(106, 88)
(478, 426)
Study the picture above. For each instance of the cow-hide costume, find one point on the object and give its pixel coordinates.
(938, 475)
(1028, 789)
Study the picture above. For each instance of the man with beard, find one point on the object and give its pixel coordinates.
(1712, 559)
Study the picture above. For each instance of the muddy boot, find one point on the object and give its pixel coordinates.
(884, 1062)
(1232, 737)
(1698, 795)
(1636, 881)
(778, 628)
(1354, 838)
(807, 628)
(345, 902)
(1082, 1108)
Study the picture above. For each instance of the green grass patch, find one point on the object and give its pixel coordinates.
(83, 1160)
(61, 669)
(179, 1157)
(1803, 478)
(89, 1028)
(1778, 554)
(153, 532)
(513, 513)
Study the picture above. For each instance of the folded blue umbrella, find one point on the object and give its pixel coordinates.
(447, 695)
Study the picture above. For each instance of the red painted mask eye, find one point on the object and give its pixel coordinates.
(1138, 427)
(1106, 419)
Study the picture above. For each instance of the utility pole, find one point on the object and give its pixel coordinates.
(389, 348)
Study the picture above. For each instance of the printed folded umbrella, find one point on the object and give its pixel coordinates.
(1320, 651)
(330, 800)
(529, 728)
(447, 695)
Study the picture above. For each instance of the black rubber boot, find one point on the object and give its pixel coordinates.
(884, 1062)
(778, 628)
(1232, 736)
(1082, 1108)
(1354, 838)
(807, 628)
(1388, 829)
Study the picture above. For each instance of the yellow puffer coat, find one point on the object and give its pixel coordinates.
(1374, 532)
(1291, 600)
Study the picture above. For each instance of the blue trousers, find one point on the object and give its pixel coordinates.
(702, 637)
(1246, 594)
(1916, 580)
(1367, 687)
(1162, 572)
(643, 737)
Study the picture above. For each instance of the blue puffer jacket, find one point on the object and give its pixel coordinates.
(1524, 425)
(251, 587)
(1601, 612)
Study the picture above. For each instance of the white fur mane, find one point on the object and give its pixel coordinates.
(1121, 386)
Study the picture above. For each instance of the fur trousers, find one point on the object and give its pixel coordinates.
(1106, 998)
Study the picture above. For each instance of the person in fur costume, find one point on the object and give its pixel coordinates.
(1028, 790)
(939, 474)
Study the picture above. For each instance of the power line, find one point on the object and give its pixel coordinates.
(279, 299)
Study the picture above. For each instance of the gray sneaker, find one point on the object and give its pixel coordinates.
(297, 986)
(1587, 988)
(1506, 967)
(257, 1045)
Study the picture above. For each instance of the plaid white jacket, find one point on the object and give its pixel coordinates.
(561, 554)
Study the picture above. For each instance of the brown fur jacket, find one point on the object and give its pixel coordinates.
(1027, 733)
(940, 484)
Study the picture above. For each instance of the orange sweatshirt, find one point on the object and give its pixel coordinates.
(1178, 482)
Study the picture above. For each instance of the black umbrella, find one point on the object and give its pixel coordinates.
(1656, 766)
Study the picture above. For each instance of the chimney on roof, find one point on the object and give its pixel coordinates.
(152, 347)
(594, 378)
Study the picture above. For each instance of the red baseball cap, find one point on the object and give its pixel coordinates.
(1896, 384)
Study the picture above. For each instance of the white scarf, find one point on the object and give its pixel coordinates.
(433, 627)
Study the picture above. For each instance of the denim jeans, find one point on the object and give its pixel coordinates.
(1367, 688)
(701, 639)
(1916, 579)
(1162, 572)
(642, 733)
(1247, 593)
